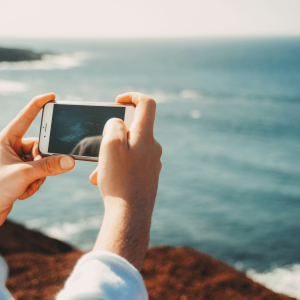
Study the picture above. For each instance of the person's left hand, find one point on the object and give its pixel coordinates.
(22, 169)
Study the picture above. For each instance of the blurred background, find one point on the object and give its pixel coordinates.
(226, 77)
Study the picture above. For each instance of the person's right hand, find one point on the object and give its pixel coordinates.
(129, 161)
(127, 176)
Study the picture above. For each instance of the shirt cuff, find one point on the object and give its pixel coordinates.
(104, 275)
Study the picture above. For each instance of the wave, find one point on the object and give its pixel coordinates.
(8, 87)
(195, 114)
(285, 280)
(48, 62)
(161, 97)
(190, 94)
(67, 230)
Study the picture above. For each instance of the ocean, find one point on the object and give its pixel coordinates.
(228, 119)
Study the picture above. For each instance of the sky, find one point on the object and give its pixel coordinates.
(148, 19)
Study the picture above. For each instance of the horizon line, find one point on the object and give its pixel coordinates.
(152, 37)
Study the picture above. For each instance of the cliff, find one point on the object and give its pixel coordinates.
(11, 55)
(39, 266)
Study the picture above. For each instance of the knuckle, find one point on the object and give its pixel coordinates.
(116, 121)
(144, 98)
(36, 98)
(22, 113)
(35, 101)
(150, 102)
(39, 100)
(159, 149)
(137, 95)
(114, 142)
(48, 166)
(24, 170)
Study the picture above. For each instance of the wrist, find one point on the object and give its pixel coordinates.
(124, 231)
(128, 219)
(3, 214)
(137, 211)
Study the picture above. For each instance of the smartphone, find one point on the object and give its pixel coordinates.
(75, 128)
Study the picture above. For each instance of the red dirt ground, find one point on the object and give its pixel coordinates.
(39, 266)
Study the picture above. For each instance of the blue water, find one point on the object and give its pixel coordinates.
(228, 119)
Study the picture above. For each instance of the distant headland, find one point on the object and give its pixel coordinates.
(14, 55)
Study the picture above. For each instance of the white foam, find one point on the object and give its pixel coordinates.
(284, 280)
(8, 87)
(160, 96)
(190, 94)
(195, 114)
(34, 223)
(48, 62)
(239, 265)
(66, 230)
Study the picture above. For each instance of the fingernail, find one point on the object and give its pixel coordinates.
(66, 162)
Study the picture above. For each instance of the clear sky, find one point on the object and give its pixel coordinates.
(153, 18)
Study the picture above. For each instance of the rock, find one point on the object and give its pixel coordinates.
(11, 55)
(40, 265)
(184, 274)
(15, 238)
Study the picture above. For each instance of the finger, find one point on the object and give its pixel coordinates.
(35, 153)
(115, 133)
(25, 146)
(49, 166)
(144, 114)
(20, 124)
(93, 177)
(28, 144)
(42, 180)
(32, 189)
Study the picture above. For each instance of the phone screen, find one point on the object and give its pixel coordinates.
(77, 129)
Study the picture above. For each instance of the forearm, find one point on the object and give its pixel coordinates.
(125, 231)
(3, 214)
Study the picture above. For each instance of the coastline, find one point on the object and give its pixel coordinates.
(39, 266)
(15, 55)
(207, 219)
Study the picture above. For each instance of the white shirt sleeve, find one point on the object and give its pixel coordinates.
(101, 275)
(4, 293)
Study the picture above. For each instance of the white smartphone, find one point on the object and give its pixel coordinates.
(75, 128)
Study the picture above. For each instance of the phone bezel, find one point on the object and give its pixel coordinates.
(46, 123)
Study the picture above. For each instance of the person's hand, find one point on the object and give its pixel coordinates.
(127, 176)
(129, 160)
(22, 169)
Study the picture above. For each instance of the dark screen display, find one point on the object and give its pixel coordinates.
(77, 129)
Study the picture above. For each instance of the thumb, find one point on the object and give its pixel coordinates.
(114, 137)
(49, 166)
(115, 132)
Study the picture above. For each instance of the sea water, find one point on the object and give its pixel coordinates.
(228, 119)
